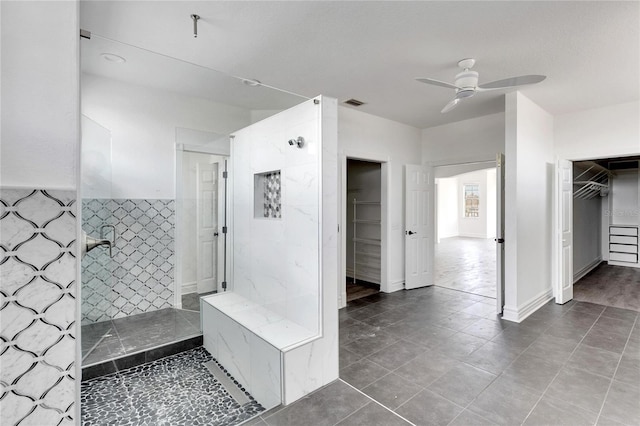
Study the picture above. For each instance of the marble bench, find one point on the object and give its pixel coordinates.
(255, 345)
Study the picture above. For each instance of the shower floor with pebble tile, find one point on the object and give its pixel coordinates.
(177, 390)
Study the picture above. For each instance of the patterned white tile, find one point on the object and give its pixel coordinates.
(37, 317)
(139, 277)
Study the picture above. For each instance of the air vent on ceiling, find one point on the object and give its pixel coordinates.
(354, 102)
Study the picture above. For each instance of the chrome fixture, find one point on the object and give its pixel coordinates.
(195, 25)
(113, 230)
(89, 243)
(299, 142)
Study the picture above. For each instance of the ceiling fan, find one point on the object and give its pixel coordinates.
(466, 84)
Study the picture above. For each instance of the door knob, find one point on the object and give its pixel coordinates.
(410, 232)
(215, 234)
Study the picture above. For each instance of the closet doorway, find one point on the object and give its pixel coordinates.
(605, 213)
(363, 228)
(466, 216)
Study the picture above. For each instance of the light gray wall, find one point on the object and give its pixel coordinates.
(587, 235)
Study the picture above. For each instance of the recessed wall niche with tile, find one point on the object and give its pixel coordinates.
(267, 195)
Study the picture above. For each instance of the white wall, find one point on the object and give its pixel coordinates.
(624, 198)
(528, 197)
(143, 124)
(448, 207)
(451, 220)
(40, 123)
(598, 133)
(477, 139)
(366, 136)
(39, 149)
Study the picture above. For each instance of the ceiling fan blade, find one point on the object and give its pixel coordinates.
(512, 82)
(437, 83)
(451, 105)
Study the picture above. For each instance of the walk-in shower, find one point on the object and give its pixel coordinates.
(154, 148)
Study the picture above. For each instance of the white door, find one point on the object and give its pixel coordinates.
(207, 226)
(419, 226)
(500, 233)
(564, 232)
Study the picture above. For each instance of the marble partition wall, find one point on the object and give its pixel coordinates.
(139, 277)
(38, 306)
(276, 256)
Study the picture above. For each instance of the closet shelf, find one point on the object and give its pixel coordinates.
(367, 221)
(366, 241)
(366, 260)
(592, 182)
(367, 254)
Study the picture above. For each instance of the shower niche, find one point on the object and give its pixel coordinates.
(267, 195)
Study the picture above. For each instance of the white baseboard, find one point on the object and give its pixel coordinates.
(395, 286)
(191, 287)
(473, 236)
(627, 264)
(520, 313)
(584, 271)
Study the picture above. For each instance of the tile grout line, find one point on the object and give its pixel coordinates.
(563, 365)
(510, 364)
(616, 370)
(380, 404)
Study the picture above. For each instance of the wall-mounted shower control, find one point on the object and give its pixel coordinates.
(299, 142)
(89, 243)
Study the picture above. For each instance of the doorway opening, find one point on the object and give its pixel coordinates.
(466, 218)
(605, 266)
(201, 219)
(363, 228)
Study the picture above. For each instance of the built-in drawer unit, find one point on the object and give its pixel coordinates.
(623, 244)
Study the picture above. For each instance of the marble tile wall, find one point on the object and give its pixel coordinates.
(139, 276)
(37, 307)
(276, 262)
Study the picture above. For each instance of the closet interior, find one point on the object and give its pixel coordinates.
(605, 231)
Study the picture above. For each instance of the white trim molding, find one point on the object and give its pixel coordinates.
(577, 275)
(520, 313)
(395, 286)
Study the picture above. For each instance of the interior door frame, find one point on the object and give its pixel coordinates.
(556, 253)
(179, 184)
(385, 173)
(493, 161)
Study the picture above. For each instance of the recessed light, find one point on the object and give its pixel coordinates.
(113, 58)
(251, 82)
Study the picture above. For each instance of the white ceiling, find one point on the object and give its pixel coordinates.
(372, 51)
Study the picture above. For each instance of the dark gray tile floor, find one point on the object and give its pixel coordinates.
(576, 364)
(466, 264)
(117, 338)
(610, 285)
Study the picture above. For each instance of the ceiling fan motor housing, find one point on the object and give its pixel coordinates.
(467, 81)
